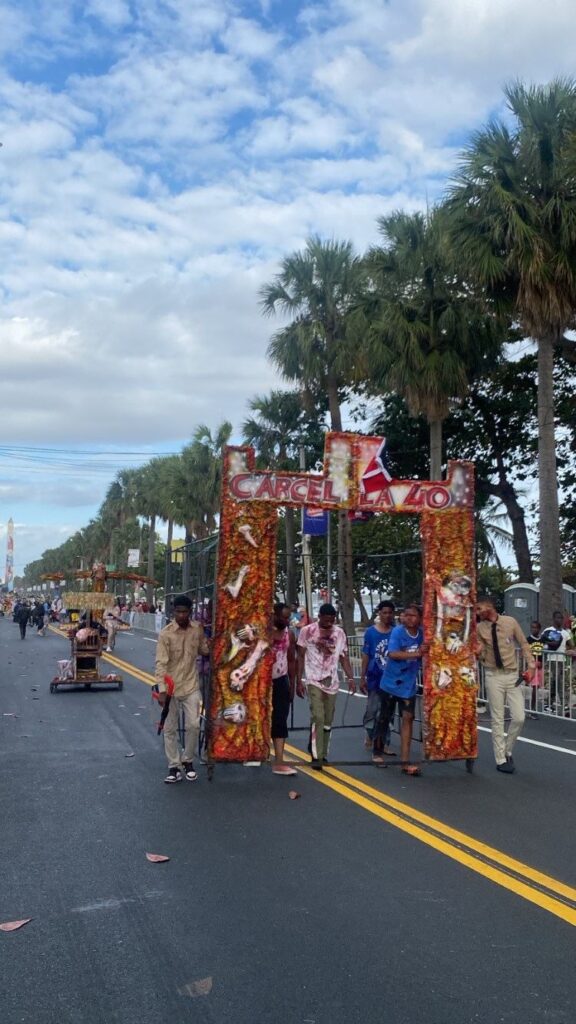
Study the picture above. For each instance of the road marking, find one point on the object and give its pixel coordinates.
(484, 728)
(468, 859)
(479, 857)
(462, 838)
(534, 743)
(149, 639)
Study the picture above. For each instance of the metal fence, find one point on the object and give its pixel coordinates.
(553, 695)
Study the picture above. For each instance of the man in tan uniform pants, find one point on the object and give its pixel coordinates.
(499, 638)
(179, 645)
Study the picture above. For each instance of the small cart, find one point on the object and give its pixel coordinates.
(83, 668)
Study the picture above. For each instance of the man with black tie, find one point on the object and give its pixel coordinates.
(499, 639)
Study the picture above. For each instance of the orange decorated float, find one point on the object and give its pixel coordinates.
(354, 478)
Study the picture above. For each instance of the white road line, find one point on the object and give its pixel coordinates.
(149, 639)
(535, 743)
(521, 739)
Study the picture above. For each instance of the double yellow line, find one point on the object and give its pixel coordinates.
(543, 890)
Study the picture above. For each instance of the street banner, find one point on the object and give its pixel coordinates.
(315, 522)
(133, 558)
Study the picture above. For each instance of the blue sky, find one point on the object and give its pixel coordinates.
(160, 156)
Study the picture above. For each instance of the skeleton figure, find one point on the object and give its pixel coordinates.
(235, 587)
(443, 678)
(246, 532)
(243, 637)
(236, 713)
(240, 676)
(454, 611)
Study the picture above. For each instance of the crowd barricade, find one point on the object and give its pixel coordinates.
(554, 696)
(147, 622)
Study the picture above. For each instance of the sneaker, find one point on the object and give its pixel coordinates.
(174, 775)
(109, 650)
(189, 772)
(316, 764)
(533, 716)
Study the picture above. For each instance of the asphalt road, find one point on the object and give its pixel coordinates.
(358, 902)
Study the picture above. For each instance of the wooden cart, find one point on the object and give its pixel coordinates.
(83, 668)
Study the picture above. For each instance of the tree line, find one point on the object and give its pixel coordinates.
(434, 328)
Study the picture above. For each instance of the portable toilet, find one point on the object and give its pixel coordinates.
(569, 598)
(521, 601)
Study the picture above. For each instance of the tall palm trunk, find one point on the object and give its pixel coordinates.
(151, 552)
(505, 493)
(550, 563)
(168, 561)
(345, 570)
(435, 449)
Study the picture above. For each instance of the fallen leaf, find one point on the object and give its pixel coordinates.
(13, 926)
(294, 795)
(201, 987)
(129, 755)
(156, 858)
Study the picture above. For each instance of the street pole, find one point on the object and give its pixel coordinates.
(306, 575)
(329, 558)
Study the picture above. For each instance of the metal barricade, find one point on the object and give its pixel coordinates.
(553, 692)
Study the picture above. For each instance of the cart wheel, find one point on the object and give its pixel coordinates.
(120, 685)
(470, 765)
(53, 687)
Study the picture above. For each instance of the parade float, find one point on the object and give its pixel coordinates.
(355, 479)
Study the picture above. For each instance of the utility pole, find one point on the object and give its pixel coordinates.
(306, 574)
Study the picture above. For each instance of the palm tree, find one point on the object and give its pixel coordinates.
(278, 431)
(318, 287)
(513, 209)
(430, 333)
(197, 485)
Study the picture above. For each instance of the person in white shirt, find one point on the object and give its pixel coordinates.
(557, 641)
(322, 647)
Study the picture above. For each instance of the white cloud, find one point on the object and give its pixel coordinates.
(160, 157)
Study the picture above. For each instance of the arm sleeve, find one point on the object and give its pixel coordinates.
(395, 642)
(162, 657)
(524, 646)
(203, 647)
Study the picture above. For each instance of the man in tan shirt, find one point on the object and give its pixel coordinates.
(499, 639)
(179, 645)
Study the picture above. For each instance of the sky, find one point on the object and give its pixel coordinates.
(160, 157)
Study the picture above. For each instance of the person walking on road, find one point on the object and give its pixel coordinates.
(112, 620)
(21, 616)
(322, 647)
(374, 653)
(398, 685)
(179, 645)
(283, 682)
(499, 639)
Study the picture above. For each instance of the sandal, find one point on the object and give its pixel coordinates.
(411, 769)
(283, 769)
(378, 759)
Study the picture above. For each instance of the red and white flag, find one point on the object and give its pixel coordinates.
(376, 476)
